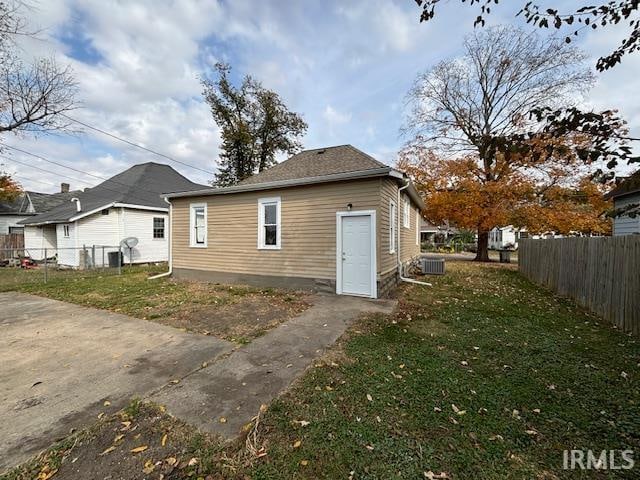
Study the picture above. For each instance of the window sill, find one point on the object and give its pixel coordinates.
(198, 246)
(391, 252)
(269, 247)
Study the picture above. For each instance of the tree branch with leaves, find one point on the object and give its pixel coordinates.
(592, 17)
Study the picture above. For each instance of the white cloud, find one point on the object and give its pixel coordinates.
(345, 66)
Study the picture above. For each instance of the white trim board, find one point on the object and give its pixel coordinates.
(374, 266)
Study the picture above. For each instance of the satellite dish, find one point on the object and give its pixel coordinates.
(129, 242)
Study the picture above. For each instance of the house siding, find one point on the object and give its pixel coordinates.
(139, 224)
(625, 225)
(7, 221)
(37, 238)
(308, 243)
(408, 248)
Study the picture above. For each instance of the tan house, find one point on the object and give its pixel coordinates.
(329, 219)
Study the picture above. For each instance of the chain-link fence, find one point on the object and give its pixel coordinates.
(19, 266)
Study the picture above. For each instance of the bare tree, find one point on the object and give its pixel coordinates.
(474, 104)
(33, 97)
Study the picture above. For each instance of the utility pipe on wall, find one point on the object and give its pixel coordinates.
(402, 277)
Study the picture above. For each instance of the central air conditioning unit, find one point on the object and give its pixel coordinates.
(432, 266)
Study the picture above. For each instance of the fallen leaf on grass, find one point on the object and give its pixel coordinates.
(108, 450)
(432, 476)
(163, 441)
(139, 449)
(171, 461)
(106, 403)
(297, 444)
(369, 397)
(302, 423)
(223, 420)
(148, 467)
(304, 463)
(46, 474)
(192, 462)
(118, 438)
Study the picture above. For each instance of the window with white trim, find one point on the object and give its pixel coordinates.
(406, 212)
(392, 226)
(198, 225)
(65, 231)
(158, 227)
(269, 229)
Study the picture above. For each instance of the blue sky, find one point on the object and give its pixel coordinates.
(344, 65)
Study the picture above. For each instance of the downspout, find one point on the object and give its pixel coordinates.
(403, 278)
(166, 274)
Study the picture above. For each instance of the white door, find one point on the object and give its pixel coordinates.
(356, 255)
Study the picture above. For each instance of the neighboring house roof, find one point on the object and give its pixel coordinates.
(320, 165)
(628, 186)
(32, 203)
(138, 186)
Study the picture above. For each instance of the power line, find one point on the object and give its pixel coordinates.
(40, 157)
(73, 178)
(133, 144)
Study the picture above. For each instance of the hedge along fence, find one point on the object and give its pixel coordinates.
(599, 273)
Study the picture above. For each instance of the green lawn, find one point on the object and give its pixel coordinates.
(237, 313)
(483, 376)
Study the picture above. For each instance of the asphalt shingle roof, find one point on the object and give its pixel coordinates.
(42, 202)
(139, 185)
(317, 163)
(627, 186)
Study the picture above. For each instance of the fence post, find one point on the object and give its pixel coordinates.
(119, 259)
(93, 257)
(102, 264)
(45, 266)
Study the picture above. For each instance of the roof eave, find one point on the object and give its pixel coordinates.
(361, 174)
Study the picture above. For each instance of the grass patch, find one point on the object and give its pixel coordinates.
(236, 313)
(483, 376)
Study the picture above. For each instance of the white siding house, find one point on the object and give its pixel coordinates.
(85, 229)
(625, 224)
(626, 195)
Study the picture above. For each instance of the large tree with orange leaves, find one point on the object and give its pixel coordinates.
(496, 138)
(545, 196)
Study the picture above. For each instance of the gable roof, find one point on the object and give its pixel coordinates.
(31, 203)
(317, 163)
(628, 186)
(320, 165)
(140, 185)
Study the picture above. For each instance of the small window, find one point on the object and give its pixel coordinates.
(158, 227)
(198, 225)
(65, 231)
(269, 223)
(105, 211)
(392, 227)
(406, 212)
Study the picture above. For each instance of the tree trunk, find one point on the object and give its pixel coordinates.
(482, 255)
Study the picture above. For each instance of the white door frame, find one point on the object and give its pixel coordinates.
(374, 269)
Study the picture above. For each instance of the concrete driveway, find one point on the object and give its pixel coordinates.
(60, 363)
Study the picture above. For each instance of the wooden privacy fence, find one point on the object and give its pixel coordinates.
(599, 273)
(10, 245)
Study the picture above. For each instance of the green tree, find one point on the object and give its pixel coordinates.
(256, 125)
